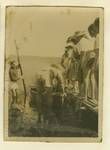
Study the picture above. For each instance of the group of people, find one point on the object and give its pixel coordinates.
(80, 62)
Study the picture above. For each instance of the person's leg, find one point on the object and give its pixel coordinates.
(10, 101)
(39, 117)
(93, 85)
(86, 85)
(14, 90)
(76, 87)
(72, 85)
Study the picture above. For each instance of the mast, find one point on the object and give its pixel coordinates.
(21, 71)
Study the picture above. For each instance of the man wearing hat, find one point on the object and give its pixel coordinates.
(93, 30)
(64, 63)
(75, 58)
(78, 35)
(87, 64)
(14, 77)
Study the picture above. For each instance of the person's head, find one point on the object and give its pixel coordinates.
(66, 52)
(13, 64)
(65, 89)
(78, 35)
(69, 47)
(72, 39)
(91, 30)
(77, 39)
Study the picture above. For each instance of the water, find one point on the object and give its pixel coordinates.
(33, 66)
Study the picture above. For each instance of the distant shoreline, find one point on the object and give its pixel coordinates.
(29, 56)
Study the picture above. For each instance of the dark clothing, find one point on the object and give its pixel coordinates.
(87, 63)
(40, 85)
(43, 101)
(57, 101)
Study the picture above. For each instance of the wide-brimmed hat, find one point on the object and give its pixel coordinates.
(13, 62)
(68, 47)
(79, 33)
(76, 35)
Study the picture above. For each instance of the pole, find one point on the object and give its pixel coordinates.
(21, 71)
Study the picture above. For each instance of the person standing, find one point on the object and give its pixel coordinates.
(96, 47)
(74, 61)
(57, 91)
(14, 77)
(41, 98)
(64, 63)
(94, 75)
(88, 63)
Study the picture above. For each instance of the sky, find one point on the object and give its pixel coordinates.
(42, 31)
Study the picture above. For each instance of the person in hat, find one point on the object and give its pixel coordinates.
(65, 56)
(96, 47)
(65, 64)
(93, 30)
(41, 99)
(75, 58)
(14, 77)
(78, 35)
(88, 64)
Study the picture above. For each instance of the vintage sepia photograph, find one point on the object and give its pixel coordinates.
(53, 73)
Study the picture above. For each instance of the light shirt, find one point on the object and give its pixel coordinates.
(96, 46)
(86, 44)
